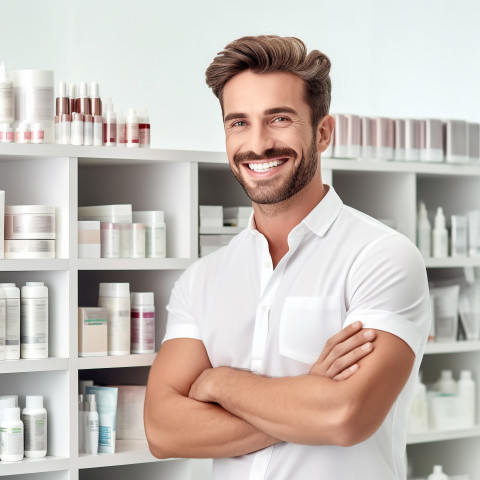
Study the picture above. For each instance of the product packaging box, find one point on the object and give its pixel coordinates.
(92, 332)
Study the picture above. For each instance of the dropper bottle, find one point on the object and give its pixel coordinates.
(440, 236)
(109, 125)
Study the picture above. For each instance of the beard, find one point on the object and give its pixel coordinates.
(271, 191)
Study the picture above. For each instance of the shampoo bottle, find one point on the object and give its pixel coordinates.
(440, 236)
(12, 436)
(34, 418)
(418, 414)
(447, 384)
(437, 473)
(424, 231)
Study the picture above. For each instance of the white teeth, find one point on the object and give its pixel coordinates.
(263, 167)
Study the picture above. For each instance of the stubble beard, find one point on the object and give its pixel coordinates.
(268, 191)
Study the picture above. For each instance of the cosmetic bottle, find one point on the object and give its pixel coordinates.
(88, 130)
(456, 141)
(3, 321)
(412, 140)
(383, 132)
(38, 133)
(155, 234)
(23, 133)
(34, 320)
(144, 128)
(81, 448)
(7, 133)
(62, 102)
(92, 425)
(12, 337)
(34, 418)
(121, 134)
(459, 236)
(131, 129)
(76, 132)
(399, 150)
(446, 383)
(96, 101)
(424, 231)
(12, 436)
(64, 132)
(84, 102)
(437, 473)
(439, 236)
(418, 413)
(72, 93)
(473, 142)
(466, 392)
(97, 130)
(431, 149)
(6, 97)
(367, 138)
(109, 125)
(142, 322)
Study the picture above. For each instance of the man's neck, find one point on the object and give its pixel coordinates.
(276, 221)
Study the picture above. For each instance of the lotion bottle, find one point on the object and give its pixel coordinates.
(437, 473)
(418, 413)
(34, 418)
(466, 393)
(440, 236)
(447, 384)
(424, 231)
(12, 436)
(92, 425)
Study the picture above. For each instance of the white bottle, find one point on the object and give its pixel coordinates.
(439, 236)
(143, 128)
(109, 125)
(466, 394)
(6, 96)
(92, 425)
(86, 438)
(81, 448)
(5, 402)
(121, 138)
(34, 320)
(131, 129)
(155, 234)
(3, 323)
(12, 338)
(424, 231)
(115, 297)
(12, 436)
(143, 322)
(34, 418)
(418, 413)
(446, 383)
(437, 473)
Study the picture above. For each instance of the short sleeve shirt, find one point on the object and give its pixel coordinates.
(341, 266)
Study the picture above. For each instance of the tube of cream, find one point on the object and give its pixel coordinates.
(106, 398)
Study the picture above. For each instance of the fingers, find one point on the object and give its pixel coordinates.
(338, 338)
(342, 367)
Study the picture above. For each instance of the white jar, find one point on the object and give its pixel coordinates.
(109, 240)
(34, 418)
(12, 436)
(115, 297)
(3, 321)
(143, 322)
(12, 337)
(34, 320)
(155, 232)
(29, 222)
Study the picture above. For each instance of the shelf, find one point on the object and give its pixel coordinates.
(34, 365)
(452, 347)
(452, 262)
(35, 265)
(34, 465)
(134, 263)
(128, 452)
(220, 230)
(120, 361)
(436, 436)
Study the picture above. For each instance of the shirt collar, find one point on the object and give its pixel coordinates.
(320, 219)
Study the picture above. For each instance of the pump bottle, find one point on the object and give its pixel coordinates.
(92, 425)
(424, 231)
(440, 236)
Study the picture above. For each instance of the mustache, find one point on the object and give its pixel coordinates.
(266, 155)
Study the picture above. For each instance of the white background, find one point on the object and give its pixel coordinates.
(392, 58)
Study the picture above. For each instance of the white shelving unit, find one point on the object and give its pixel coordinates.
(177, 182)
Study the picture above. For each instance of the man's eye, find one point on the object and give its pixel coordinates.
(280, 119)
(240, 123)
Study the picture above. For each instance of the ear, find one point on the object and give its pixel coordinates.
(325, 132)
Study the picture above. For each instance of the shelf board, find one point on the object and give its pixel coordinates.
(127, 452)
(120, 361)
(220, 230)
(439, 436)
(134, 263)
(34, 365)
(34, 465)
(34, 265)
(452, 347)
(452, 262)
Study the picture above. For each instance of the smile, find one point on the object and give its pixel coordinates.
(266, 166)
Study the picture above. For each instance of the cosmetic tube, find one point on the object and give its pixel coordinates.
(456, 141)
(106, 400)
(12, 331)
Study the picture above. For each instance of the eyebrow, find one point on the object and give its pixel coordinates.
(270, 111)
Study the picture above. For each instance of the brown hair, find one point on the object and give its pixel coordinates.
(270, 53)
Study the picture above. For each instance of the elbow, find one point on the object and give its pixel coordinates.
(160, 443)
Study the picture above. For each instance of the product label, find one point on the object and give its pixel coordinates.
(34, 103)
(35, 431)
(12, 440)
(143, 330)
(33, 224)
(13, 322)
(34, 320)
(118, 323)
(105, 436)
(109, 133)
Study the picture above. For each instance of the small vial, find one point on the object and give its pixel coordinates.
(38, 133)
(23, 134)
(98, 130)
(142, 322)
(131, 129)
(72, 98)
(7, 134)
(77, 129)
(88, 130)
(64, 129)
(109, 125)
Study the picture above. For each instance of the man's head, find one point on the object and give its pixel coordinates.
(268, 54)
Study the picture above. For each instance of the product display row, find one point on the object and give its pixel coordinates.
(411, 140)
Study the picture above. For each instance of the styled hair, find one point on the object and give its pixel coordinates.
(271, 53)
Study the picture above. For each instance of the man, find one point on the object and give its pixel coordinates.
(262, 366)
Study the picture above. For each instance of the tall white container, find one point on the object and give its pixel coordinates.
(155, 232)
(466, 394)
(12, 337)
(12, 436)
(418, 413)
(424, 231)
(34, 320)
(3, 318)
(34, 418)
(143, 322)
(437, 473)
(115, 297)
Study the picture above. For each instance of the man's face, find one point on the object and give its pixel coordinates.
(269, 137)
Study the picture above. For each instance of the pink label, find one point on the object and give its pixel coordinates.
(89, 236)
(9, 136)
(39, 135)
(145, 315)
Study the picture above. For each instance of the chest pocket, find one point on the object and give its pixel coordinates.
(306, 324)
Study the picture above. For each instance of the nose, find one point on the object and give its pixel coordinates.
(260, 139)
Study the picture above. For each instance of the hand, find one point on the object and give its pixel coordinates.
(341, 353)
(202, 388)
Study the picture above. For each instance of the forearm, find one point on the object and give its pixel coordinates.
(178, 426)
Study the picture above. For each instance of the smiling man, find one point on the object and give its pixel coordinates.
(265, 365)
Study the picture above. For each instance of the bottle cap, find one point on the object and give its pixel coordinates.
(142, 298)
(83, 90)
(8, 402)
(11, 414)
(34, 401)
(3, 75)
(465, 375)
(114, 290)
(72, 90)
(446, 375)
(62, 89)
(94, 91)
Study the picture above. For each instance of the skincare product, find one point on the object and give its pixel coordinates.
(445, 304)
(456, 141)
(473, 142)
(399, 151)
(437, 473)
(466, 394)
(34, 320)
(143, 128)
(412, 140)
(126, 234)
(115, 297)
(23, 133)
(88, 130)
(29, 222)
(383, 132)
(121, 129)
(2, 221)
(89, 239)
(12, 436)
(106, 399)
(92, 332)
(432, 143)
(29, 249)
(109, 125)
(155, 233)
(142, 322)
(424, 231)
(92, 429)
(7, 134)
(439, 236)
(97, 131)
(138, 240)
(84, 102)
(3, 326)
(131, 130)
(418, 413)
(459, 236)
(64, 129)
(76, 133)
(6, 96)
(12, 337)
(107, 213)
(473, 233)
(34, 418)
(38, 133)
(81, 430)
(367, 138)
(62, 102)
(110, 240)
(446, 383)
(96, 101)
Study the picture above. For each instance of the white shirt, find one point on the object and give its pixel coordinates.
(341, 266)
